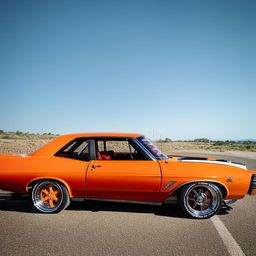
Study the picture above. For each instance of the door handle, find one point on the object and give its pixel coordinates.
(95, 166)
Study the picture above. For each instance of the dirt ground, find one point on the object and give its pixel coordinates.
(17, 147)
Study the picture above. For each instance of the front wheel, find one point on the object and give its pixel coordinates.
(200, 200)
(50, 197)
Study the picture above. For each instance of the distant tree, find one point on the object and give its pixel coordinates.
(204, 140)
(219, 143)
(19, 132)
(1, 131)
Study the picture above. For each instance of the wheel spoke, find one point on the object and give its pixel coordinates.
(195, 192)
(56, 192)
(45, 198)
(45, 191)
(51, 203)
(51, 189)
(55, 198)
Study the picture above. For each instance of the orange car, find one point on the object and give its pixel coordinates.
(123, 168)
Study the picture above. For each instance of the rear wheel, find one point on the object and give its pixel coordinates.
(50, 197)
(200, 200)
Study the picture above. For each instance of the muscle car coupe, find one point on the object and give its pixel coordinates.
(123, 168)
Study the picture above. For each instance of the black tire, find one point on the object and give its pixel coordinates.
(200, 200)
(49, 196)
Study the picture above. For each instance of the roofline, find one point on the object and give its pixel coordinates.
(103, 134)
(56, 144)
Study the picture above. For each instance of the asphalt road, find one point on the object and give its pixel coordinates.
(100, 228)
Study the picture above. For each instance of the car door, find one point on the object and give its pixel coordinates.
(135, 179)
(70, 163)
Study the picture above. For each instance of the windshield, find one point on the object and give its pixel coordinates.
(152, 148)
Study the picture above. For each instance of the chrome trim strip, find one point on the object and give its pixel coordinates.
(122, 201)
(83, 148)
(6, 194)
(169, 185)
(215, 162)
(77, 199)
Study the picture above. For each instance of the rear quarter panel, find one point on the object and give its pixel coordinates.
(17, 172)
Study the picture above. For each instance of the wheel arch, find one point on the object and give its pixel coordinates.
(31, 183)
(222, 187)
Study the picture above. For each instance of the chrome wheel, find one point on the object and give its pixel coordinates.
(49, 197)
(201, 200)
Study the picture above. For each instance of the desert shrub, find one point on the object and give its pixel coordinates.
(166, 140)
(204, 140)
(19, 133)
(219, 143)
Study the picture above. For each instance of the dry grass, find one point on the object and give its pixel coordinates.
(25, 146)
(206, 146)
(25, 136)
(24, 143)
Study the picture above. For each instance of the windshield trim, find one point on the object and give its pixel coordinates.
(162, 156)
(144, 149)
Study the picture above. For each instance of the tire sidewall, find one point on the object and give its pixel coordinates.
(183, 204)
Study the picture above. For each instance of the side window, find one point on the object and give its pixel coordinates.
(116, 149)
(78, 149)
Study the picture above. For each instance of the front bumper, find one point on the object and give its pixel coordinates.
(253, 192)
(252, 189)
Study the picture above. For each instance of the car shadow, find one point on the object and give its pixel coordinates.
(171, 210)
(98, 206)
(17, 206)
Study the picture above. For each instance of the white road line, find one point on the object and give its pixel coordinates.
(232, 246)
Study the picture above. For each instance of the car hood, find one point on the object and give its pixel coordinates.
(210, 161)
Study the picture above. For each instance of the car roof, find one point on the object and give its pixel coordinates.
(103, 134)
(56, 144)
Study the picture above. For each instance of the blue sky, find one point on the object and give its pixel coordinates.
(177, 69)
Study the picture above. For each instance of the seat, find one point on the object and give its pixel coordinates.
(99, 156)
(107, 155)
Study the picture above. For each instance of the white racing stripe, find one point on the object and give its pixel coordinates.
(232, 246)
(216, 162)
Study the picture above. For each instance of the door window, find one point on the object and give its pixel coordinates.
(118, 149)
